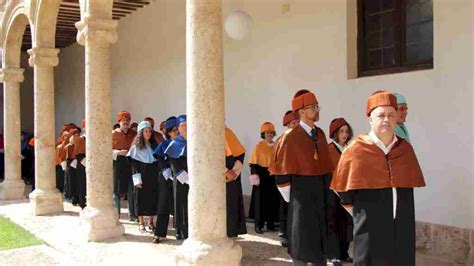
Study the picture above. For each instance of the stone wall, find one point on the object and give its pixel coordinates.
(447, 245)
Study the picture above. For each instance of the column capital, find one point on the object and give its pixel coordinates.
(96, 29)
(43, 57)
(13, 74)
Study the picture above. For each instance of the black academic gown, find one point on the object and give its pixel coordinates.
(265, 199)
(165, 199)
(70, 181)
(2, 165)
(81, 190)
(384, 240)
(31, 151)
(2, 159)
(145, 197)
(28, 163)
(60, 178)
(344, 223)
(180, 196)
(122, 175)
(283, 219)
(312, 223)
(235, 201)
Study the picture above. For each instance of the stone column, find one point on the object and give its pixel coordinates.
(13, 187)
(207, 243)
(100, 217)
(46, 198)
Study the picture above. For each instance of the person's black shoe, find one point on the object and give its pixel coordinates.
(336, 262)
(284, 242)
(156, 239)
(271, 227)
(132, 218)
(178, 235)
(348, 260)
(258, 230)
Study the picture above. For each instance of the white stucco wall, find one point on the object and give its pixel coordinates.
(69, 94)
(304, 48)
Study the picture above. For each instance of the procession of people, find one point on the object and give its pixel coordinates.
(320, 192)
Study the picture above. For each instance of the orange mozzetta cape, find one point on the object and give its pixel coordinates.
(60, 139)
(262, 154)
(294, 154)
(122, 141)
(60, 154)
(61, 150)
(232, 144)
(79, 146)
(363, 165)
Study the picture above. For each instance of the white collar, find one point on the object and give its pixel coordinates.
(380, 144)
(269, 144)
(339, 147)
(306, 127)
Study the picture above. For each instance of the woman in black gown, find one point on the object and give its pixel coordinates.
(234, 160)
(165, 181)
(145, 175)
(177, 156)
(265, 201)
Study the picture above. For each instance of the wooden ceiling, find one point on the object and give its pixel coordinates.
(69, 14)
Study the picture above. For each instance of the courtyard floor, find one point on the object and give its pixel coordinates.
(65, 245)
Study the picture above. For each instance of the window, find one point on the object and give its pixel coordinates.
(394, 36)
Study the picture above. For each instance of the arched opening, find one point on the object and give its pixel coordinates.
(18, 40)
(27, 111)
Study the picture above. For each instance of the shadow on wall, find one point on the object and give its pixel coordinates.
(27, 95)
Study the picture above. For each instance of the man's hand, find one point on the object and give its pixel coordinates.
(254, 180)
(238, 166)
(230, 175)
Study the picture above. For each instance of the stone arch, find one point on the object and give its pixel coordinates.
(45, 23)
(14, 23)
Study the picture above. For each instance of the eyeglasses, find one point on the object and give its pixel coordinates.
(313, 107)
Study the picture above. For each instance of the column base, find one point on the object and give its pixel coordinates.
(217, 252)
(46, 202)
(101, 223)
(12, 190)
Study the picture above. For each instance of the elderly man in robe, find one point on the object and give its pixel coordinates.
(375, 178)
